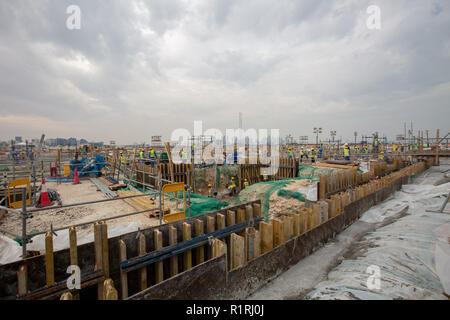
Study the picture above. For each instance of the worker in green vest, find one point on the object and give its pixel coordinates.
(302, 154)
(141, 155)
(152, 156)
(375, 145)
(245, 183)
(346, 152)
(122, 158)
(232, 186)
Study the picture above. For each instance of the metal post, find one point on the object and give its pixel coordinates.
(160, 197)
(34, 182)
(24, 223)
(189, 201)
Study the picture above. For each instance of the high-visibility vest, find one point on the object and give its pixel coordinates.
(245, 184)
(142, 154)
(152, 153)
(346, 152)
(122, 159)
(211, 192)
(290, 153)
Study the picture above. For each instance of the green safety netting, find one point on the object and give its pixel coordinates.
(227, 172)
(263, 191)
(307, 172)
(201, 204)
(201, 178)
(289, 194)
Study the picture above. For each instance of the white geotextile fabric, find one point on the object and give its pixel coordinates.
(412, 254)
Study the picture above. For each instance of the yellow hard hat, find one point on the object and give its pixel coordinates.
(232, 178)
(382, 152)
(209, 184)
(245, 179)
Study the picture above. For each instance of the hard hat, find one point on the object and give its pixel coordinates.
(382, 152)
(209, 184)
(245, 179)
(232, 178)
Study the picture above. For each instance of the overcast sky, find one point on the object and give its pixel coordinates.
(142, 68)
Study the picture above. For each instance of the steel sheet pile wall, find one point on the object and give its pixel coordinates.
(283, 242)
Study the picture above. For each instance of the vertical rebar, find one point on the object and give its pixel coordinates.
(24, 223)
(160, 197)
(34, 182)
(189, 201)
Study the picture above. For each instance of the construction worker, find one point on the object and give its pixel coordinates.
(290, 155)
(245, 183)
(366, 149)
(313, 155)
(141, 155)
(335, 156)
(152, 156)
(302, 154)
(346, 152)
(210, 191)
(381, 157)
(375, 145)
(122, 158)
(232, 186)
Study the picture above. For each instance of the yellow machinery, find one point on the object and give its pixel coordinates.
(175, 216)
(15, 184)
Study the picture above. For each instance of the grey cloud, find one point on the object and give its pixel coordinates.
(293, 65)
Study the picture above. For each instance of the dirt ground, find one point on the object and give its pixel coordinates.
(70, 193)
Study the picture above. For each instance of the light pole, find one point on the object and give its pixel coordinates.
(356, 134)
(332, 134)
(316, 132)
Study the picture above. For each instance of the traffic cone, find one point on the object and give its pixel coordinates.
(45, 199)
(75, 177)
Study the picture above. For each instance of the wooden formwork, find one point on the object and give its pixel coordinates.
(148, 174)
(287, 168)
